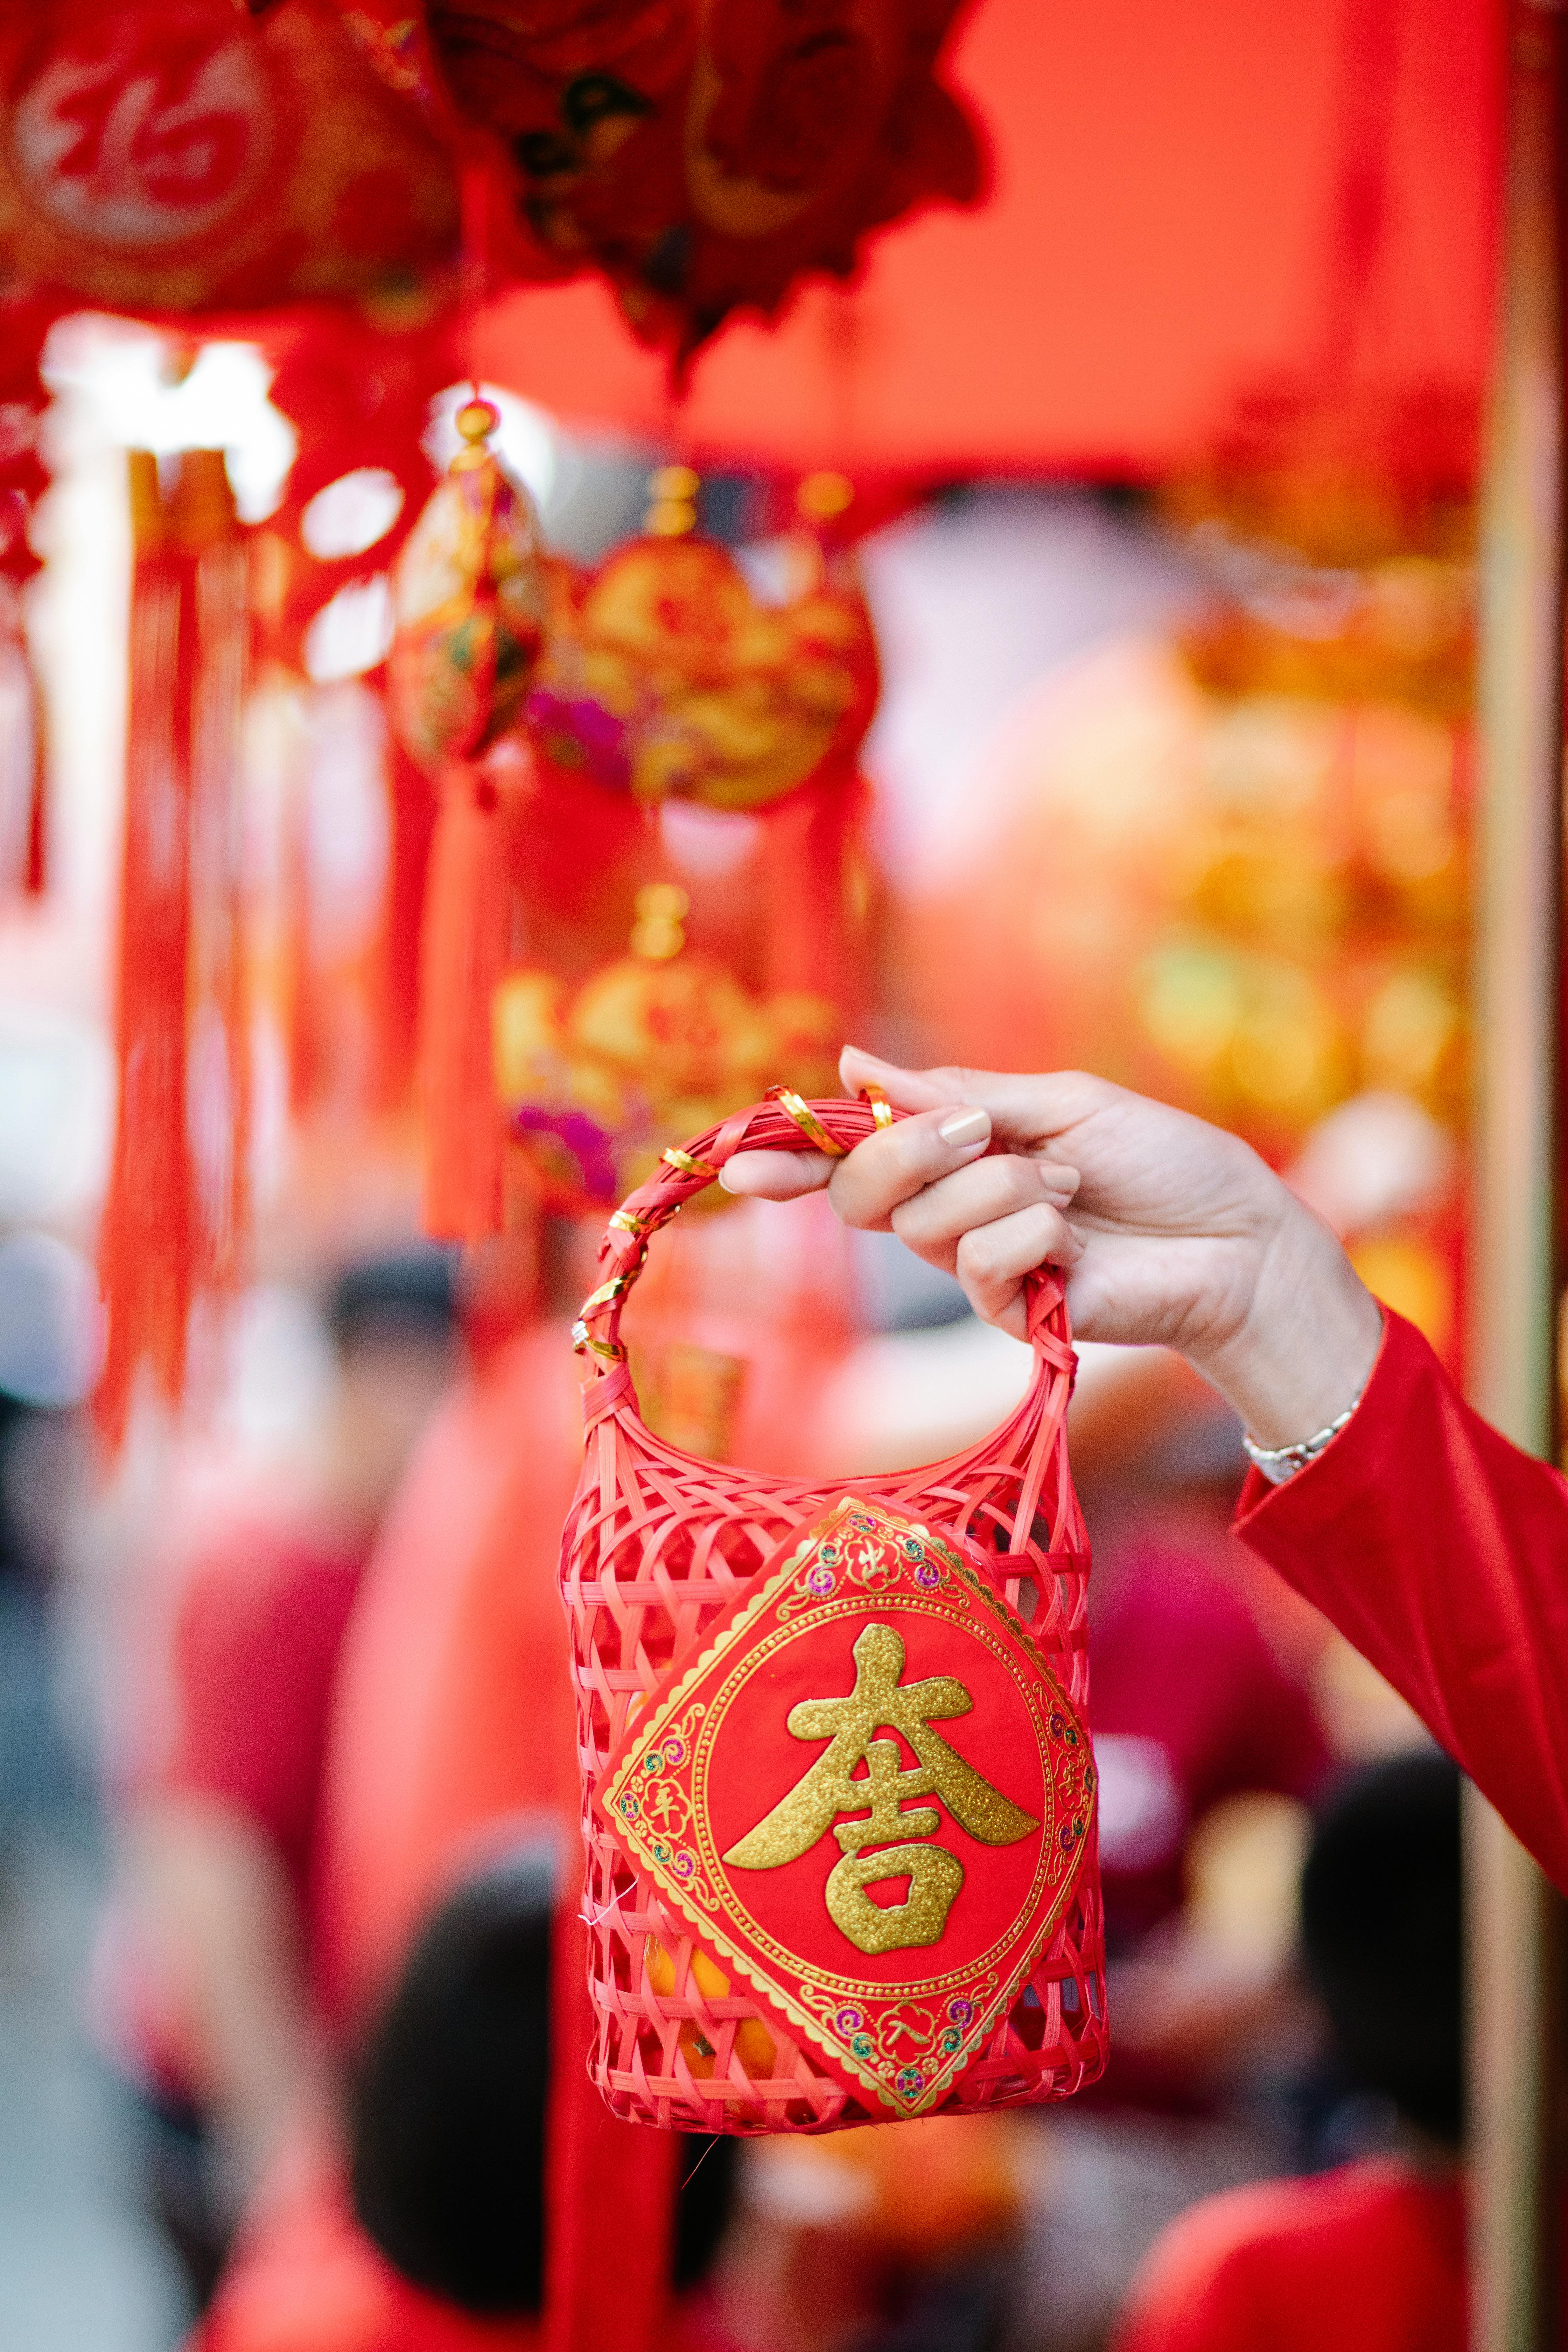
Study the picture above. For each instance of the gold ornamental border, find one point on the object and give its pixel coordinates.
(655, 1726)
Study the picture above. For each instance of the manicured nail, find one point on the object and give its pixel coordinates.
(964, 1126)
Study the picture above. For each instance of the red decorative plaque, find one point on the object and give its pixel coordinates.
(869, 1794)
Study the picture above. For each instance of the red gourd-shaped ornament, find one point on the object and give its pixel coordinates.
(469, 597)
(469, 594)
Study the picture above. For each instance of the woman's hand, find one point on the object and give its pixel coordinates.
(1171, 1232)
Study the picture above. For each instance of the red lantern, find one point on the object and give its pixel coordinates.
(704, 158)
(172, 155)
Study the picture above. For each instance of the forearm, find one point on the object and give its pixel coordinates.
(1304, 1347)
(1441, 1552)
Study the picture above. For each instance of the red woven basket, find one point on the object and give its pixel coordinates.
(708, 2018)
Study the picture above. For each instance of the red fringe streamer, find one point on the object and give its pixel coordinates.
(175, 1213)
(34, 869)
(413, 810)
(610, 2185)
(818, 885)
(464, 948)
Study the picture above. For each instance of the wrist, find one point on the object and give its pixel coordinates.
(1303, 1351)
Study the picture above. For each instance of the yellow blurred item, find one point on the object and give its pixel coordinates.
(754, 2042)
(663, 675)
(650, 1050)
(469, 590)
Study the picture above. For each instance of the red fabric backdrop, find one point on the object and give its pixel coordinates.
(1196, 203)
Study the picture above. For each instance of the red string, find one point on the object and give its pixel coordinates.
(474, 269)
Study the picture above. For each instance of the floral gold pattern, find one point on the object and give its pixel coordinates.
(864, 1624)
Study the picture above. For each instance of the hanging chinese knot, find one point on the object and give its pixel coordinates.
(358, 391)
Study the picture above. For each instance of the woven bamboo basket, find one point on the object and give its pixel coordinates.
(658, 1546)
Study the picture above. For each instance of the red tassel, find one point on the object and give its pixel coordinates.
(818, 891)
(412, 812)
(175, 1212)
(463, 953)
(610, 2203)
(144, 1254)
(217, 1089)
(34, 869)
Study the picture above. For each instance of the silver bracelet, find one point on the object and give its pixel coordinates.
(1277, 1462)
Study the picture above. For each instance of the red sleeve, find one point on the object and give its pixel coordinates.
(1441, 1551)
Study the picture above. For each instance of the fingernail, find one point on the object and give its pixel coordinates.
(963, 1126)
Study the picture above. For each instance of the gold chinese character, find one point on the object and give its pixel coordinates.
(830, 1787)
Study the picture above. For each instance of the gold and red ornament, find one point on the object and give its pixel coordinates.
(175, 1218)
(185, 156)
(792, 1927)
(470, 601)
(597, 1080)
(471, 604)
(664, 680)
(663, 673)
(705, 155)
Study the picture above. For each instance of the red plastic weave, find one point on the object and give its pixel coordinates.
(657, 1544)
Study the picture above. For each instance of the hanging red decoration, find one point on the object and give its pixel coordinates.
(705, 157)
(174, 1219)
(358, 391)
(470, 601)
(175, 154)
(764, 1631)
(598, 1079)
(470, 604)
(663, 674)
(24, 323)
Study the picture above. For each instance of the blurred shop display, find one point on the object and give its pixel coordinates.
(1229, 861)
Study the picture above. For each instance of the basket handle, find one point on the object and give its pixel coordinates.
(782, 1121)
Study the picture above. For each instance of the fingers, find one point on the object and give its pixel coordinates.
(776, 1175)
(1026, 1110)
(934, 1221)
(992, 1260)
(890, 1167)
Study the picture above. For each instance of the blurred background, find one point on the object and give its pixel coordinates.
(511, 642)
